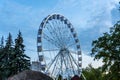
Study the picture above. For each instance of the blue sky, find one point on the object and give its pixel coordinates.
(90, 19)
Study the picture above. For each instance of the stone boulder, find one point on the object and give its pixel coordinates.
(30, 75)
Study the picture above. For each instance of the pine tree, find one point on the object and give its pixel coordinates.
(1, 56)
(2, 42)
(20, 58)
(6, 58)
(12, 57)
(1, 48)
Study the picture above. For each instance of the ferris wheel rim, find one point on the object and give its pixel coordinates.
(42, 25)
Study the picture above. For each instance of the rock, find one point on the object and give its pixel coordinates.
(30, 75)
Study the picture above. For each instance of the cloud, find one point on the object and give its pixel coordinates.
(90, 60)
(85, 14)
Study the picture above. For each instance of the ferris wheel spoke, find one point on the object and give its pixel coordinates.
(70, 45)
(53, 36)
(52, 30)
(52, 41)
(58, 33)
(73, 52)
(50, 50)
(68, 39)
(71, 63)
(54, 33)
(55, 65)
(57, 68)
(66, 30)
(73, 59)
(50, 64)
(63, 32)
(66, 64)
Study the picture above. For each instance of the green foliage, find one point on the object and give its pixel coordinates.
(107, 48)
(12, 57)
(93, 73)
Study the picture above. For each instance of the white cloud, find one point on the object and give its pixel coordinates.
(85, 14)
(90, 60)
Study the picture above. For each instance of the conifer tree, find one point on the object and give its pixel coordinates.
(21, 59)
(12, 57)
(6, 61)
(1, 48)
(1, 56)
(2, 42)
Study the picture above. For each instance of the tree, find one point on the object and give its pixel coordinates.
(2, 42)
(93, 73)
(7, 50)
(12, 57)
(1, 48)
(107, 48)
(1, 56)
(21, 60)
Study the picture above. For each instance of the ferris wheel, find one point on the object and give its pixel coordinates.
(58, 47)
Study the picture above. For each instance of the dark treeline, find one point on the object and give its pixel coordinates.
(12, 57)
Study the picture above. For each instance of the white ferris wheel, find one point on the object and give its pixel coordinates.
(58, 47)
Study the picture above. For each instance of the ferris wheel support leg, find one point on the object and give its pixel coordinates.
(83, 76)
